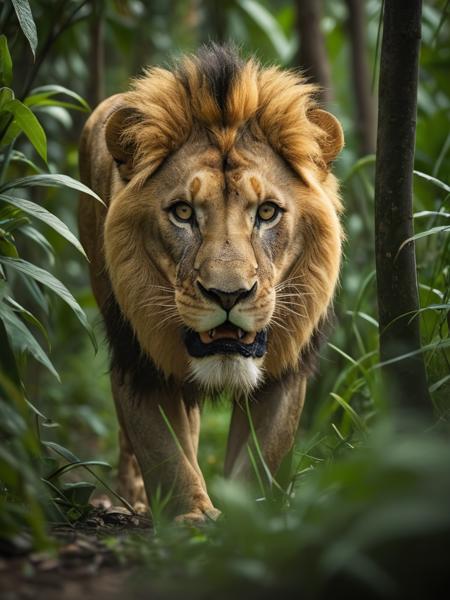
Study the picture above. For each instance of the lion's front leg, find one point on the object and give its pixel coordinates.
(275, 412)
(160, 429)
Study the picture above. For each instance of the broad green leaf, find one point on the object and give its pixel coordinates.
(422, 234)
(23, 340)
(79, 493)
(433, 180)
(38, 212)
(48, 91)
(27, 122)
(5, 62)
(50, 180)
(64, 452)
(267, 22)
(48, 280)
(26, 22)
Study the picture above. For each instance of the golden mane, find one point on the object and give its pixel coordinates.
(274, 103)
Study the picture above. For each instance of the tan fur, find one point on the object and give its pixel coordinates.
(171, 137)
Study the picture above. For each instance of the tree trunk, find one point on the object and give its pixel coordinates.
(365, 119)
(396, 271)
(215, 21)
(95, 88)
(312, 54)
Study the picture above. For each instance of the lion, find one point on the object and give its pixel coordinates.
(213, 260)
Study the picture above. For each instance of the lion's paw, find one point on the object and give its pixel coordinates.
(198, 516)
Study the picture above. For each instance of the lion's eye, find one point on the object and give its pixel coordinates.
(182, 211)
(268, 212)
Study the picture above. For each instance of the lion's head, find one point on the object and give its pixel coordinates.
(222, 239)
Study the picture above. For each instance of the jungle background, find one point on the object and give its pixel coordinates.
(364, 504)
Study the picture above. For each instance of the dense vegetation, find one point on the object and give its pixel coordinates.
(368, 482)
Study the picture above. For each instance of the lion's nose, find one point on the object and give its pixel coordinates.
(226, 300)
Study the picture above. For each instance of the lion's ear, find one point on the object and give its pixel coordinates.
(120, 147)
(332, 143)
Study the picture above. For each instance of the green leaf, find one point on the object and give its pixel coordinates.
(267, 22)
(79, 493)
(7, 359)
(437, 345)
(50, 180)
(27, 122)
(439, 383)
(36, 236)
(357, 421)
(45, 92)
(431, 213)
(28, 316)
(6, 95)
(76, 465)
(38, 212)
(47, 279)
(20, 157)
(5, 62)
(64, 452)
(26, 22)
(433, 180)
(422, 234)
(23, 340)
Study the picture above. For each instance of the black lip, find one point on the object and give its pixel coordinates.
(197, 349)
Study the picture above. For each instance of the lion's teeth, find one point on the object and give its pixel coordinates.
(240, 334)
(212, 333)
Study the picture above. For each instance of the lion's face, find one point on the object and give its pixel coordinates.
(224, 262)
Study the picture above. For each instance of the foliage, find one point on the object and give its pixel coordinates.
(356, 487)
(24, 301)
(356, 525)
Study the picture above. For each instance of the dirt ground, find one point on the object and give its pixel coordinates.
(83, 566)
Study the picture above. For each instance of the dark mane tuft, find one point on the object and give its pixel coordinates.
(219, 66)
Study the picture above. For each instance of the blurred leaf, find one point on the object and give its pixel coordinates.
(49, 180)
(47, 279)
(45, 92)
(28, 316)
(76, 465)
(26, 22)
(267, 22)
(440, 383)
(17, 156)
(422, 234)
(38, 212)
(433, 180)
(351, 412)
(64, 452)
(78, 493)
(36, 236)
(22, 338)
(5, 62)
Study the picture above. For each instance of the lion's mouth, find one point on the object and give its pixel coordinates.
(226, 339)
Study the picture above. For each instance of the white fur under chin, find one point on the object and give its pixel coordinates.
(224, 371)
